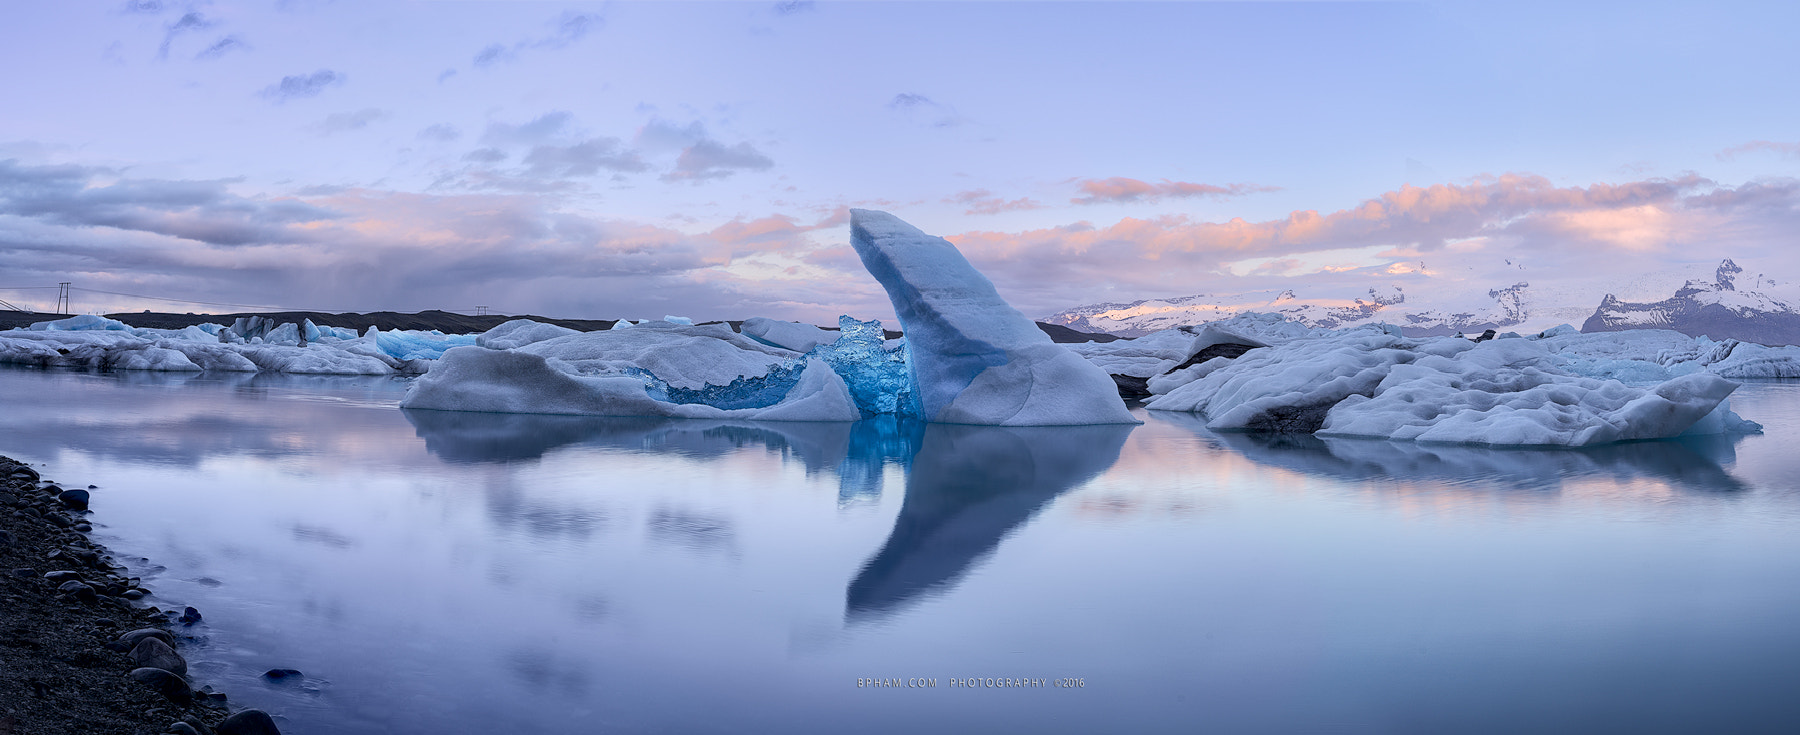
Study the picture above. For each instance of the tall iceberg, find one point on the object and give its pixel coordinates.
(974, 358)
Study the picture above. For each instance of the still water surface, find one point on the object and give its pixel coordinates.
(436, 572)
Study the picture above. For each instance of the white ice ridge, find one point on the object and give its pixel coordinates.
(1561, 388)
(974, 358)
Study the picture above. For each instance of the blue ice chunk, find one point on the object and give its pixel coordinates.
(413, 345)
(760, 391)
(877, 376)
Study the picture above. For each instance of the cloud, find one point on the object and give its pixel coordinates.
(485, 155)
(201, 211)
(1119, 189)
(1785, 150)
(1568, 231)
(794, 7)
(188, 23)
(982, 201)
(660, 134)
(710, 159)
(223, 46)
(371, 249)
(346, 121)
(565, 30)
(441, 132)
(925, 111)
(149, 7)
(586, 158)
(303, 85)
(541, 129)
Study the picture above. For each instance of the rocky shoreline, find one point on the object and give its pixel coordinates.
(79, 652)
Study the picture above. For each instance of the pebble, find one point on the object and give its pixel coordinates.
(189, 616)
(26, 572)
(6, 538)
(181, 728)
(132, 638)
(84, 527)
(77, 499)
(248, 722)
(79, 590)
(279, 674)
(153, 653)
(168, 683)
(62, 575)
(132, 594)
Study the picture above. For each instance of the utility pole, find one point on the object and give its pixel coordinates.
(62, 298)
(480, 311)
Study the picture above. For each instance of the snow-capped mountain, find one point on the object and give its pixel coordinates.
(1718, 302)
(1503, 308)
(1719, 310)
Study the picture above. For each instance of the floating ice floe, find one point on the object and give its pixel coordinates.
(969, 358)
(1560, 388)
(250, 344)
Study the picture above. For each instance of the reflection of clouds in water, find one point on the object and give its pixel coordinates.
(184, 419)
(322, 536)
(1687, 464)
(541, 669)
(692, 531)
(510, 508)
(968, 487)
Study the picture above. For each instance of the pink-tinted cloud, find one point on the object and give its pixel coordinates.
(1601, 226)
(1119, 189)
(982, 201)
(1785, 150)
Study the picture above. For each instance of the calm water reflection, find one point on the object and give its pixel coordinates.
(449, 572)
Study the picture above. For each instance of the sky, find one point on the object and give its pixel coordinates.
(640, 159)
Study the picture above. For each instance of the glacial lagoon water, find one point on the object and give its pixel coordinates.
(436, 572)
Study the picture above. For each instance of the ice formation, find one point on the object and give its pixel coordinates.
(789, 335)
(974, 358)
(249, 344)
(1559, 388)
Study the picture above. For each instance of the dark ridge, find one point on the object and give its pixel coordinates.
(1064, 335)
(1227, 350)
(1132, 389)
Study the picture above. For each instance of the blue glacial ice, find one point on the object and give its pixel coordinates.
(974, 358)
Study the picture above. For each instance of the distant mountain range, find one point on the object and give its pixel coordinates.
(1719, 309)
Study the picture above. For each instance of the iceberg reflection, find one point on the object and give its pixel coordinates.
(1690, 463)
(967, 487)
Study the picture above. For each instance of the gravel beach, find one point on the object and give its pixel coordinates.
(80, 652)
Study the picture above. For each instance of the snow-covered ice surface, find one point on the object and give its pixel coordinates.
(251, 344)
(1559, 388)
(788, 335)
(974, 358)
